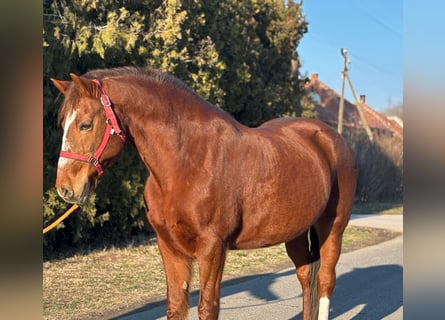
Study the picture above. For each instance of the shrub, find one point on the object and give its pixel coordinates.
(380, 166)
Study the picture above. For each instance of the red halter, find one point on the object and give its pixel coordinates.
(112, 128)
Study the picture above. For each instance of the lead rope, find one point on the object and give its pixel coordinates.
(61, 218)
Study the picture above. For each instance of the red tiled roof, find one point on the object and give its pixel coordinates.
(327, 102)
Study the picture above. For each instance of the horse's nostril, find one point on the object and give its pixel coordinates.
(67, 193)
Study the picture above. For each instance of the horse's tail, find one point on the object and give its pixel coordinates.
(314, 265)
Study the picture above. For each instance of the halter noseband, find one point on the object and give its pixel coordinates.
(112, 128)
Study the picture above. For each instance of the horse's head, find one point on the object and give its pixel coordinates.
(91, 137)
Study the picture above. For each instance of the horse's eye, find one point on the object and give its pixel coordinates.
(85, 126)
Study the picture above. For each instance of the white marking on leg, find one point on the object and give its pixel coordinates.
(66, 146)
(323, 309)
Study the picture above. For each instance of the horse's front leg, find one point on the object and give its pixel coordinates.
(178, 270)
(210, 254)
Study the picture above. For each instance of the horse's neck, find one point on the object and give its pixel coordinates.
(171, 128)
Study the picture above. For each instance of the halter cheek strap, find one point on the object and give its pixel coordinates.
(112, 128)
(111, 116)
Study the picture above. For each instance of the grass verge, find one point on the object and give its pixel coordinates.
(377, 208)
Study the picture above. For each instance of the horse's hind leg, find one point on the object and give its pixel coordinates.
(331, 238)
(178, 270)
(330, 228)
(298, 250)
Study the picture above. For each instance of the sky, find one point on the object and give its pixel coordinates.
(372, 33)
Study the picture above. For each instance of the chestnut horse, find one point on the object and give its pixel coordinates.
(214, 184)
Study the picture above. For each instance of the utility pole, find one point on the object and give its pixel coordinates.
(345, 75)
(342, 98)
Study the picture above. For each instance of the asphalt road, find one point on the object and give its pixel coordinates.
(369, 286)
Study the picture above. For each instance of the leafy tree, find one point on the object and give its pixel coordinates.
(236, 54)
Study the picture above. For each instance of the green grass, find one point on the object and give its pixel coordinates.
(377, 208)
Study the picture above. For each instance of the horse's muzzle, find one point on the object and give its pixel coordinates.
(69, 195)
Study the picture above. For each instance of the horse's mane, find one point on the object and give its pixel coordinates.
(146, 73)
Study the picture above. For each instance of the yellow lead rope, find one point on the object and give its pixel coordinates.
(55, 223)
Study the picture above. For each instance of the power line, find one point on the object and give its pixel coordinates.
(377, 20)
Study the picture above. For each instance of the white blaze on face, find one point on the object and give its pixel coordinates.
(323, 309)
(65, 143)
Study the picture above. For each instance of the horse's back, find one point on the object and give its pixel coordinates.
(317, 134)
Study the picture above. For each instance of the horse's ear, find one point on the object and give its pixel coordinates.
(61, 85)
(85, 86)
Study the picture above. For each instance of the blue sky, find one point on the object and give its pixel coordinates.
(372, 32)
